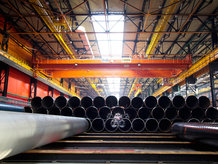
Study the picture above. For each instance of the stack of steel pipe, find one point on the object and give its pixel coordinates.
(125, 115)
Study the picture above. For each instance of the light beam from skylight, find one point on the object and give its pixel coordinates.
(110, 45)
(114, 86)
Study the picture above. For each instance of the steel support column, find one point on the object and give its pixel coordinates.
(186, 87)
(50, 91)
(5, 38)
(213, 70)
(214, 34)
(4, 74)
(33, 88)
(62, 82)
(69, 85)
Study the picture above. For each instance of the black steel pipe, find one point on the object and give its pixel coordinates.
(202, 132)
(206, 120)
(117, 110)
(184, 113)
(130, 113)
(178, 120)
(171, 113)
(164, 125)
(86, 102)
(90, 124)
(192, 102)
(157, 113)
(111, 101)
(204, 102)
(28, 109)
(74, 102)
(36, 102)
(150, 102)
(61, 102)
(79, 112)
(54, 111)
(99, 102)
(41, 110)
(125, 125)
(67, 111)
(138, 125)
(144, 113)
(48, 102)
(124, 101)
(178, 102)
(198, 113)
(111, 125)
(98, 125)
(104, 112)
(211, 113)
(164, 102)
(137, 102)
(92, 112)
(193, 120)
(151, 125)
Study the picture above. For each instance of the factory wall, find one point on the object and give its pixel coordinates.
(19, 86)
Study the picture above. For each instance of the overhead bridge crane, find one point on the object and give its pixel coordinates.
(113, 68)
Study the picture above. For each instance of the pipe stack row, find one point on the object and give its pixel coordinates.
(124, 115)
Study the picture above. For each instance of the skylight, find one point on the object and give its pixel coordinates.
(110, 45)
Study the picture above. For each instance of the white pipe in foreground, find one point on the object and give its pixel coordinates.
(24, 131)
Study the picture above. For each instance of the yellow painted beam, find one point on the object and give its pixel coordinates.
(133, 85)
(138, 91)
(38, 73)
(93, 86)
(200, 64)
(161, 26)
(206, 89)
(50, 24)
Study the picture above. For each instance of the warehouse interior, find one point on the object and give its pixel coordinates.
(102, 48)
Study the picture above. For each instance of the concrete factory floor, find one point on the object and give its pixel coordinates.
(120, 148)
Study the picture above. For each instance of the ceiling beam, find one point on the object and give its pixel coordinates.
(126, 32)
(31, 27)
(125, 14)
